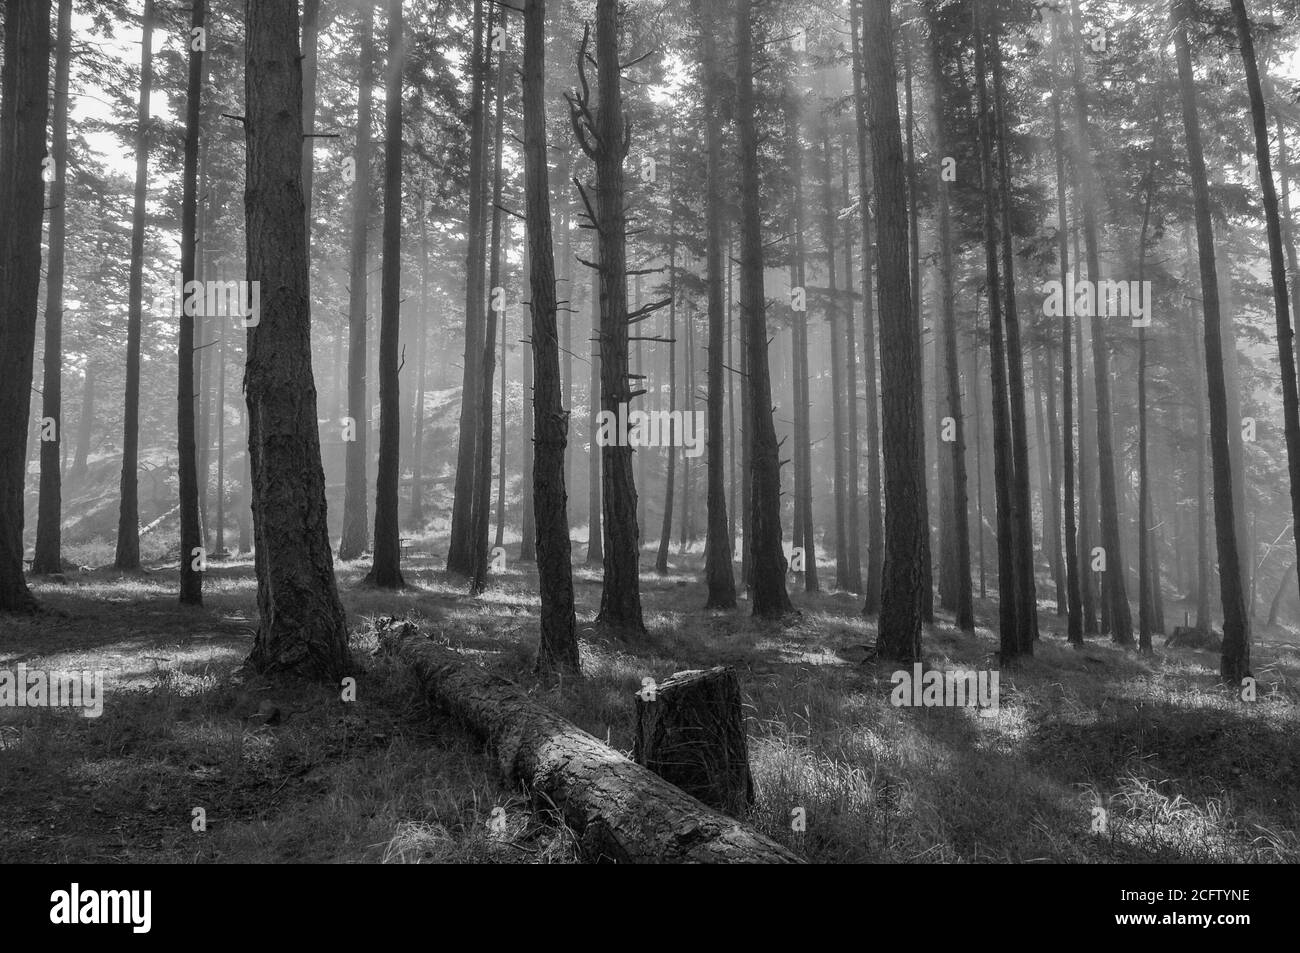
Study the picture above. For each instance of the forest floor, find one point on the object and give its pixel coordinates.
(1182, 768)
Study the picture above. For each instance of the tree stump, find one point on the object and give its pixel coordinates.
(690, 730)
(1193, 638)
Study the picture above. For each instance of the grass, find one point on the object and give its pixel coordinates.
(1094, 755)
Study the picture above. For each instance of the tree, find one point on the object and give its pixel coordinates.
(356, 529)
(718, 570)
(557, 648)
(604, 134)
(955, 585)
(1277, 262)
(460, 548)
(902, 595)
(1235, 660)
(191, 531)
(875, 530)
(386, 571)
(24, 108)
(48, 557)
(128, 521)
(768, 564)
(301, 628)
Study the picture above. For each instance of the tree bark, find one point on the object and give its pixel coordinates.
(955, 584)
(128, 521)
(386, 570)
(301, 628)
(770, 599)
(356, 526)
(460, 548)
(902, 596)
(191, 583)
(557, 649)
(1277, 262)
(871, 384)
(838, 488)
(1235, 659)
(48, 557)
(24, 108)
(718, 571)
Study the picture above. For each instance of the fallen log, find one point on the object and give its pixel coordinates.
(622, 812)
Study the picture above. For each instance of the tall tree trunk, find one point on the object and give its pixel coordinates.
(386, 570)
(804, 531)
(1146, 610)
(191, 530)
(1010, 621)
(688, 402)
(955, 582)
(220, 551)
(528, 529)
(48, 557)
(1235, 661)
(1115, 583)
(770, 599)
(481, 513)
(128, 521)
(417, 443)
(903, 592)
(595, 536)
(1277, 262)
(837, 360)
(718, 572)
(356, 526)
(604, 134)
(301, 628)
(557, 649)
(24, 108)
(460, 549)
(914, 248)
(851, 369)
(871, 383)
(1020, 506)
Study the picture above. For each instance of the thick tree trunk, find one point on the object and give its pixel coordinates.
(191, 588)
(620, 811)
(128, 521)
(386, 571)
(528, 527)
(356, 526)
(422, 337)
(310, 42)
(24, 108)
(903, 593)
(718, 572)
(1235, 660)
(1146, 610)
(871, 384)
(85, 424)
(557, 649)
(460, 546)
(770, 599)
(301, 627)
(595, 536)
(48, 557)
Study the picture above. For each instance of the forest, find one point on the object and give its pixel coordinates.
(649, 431)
